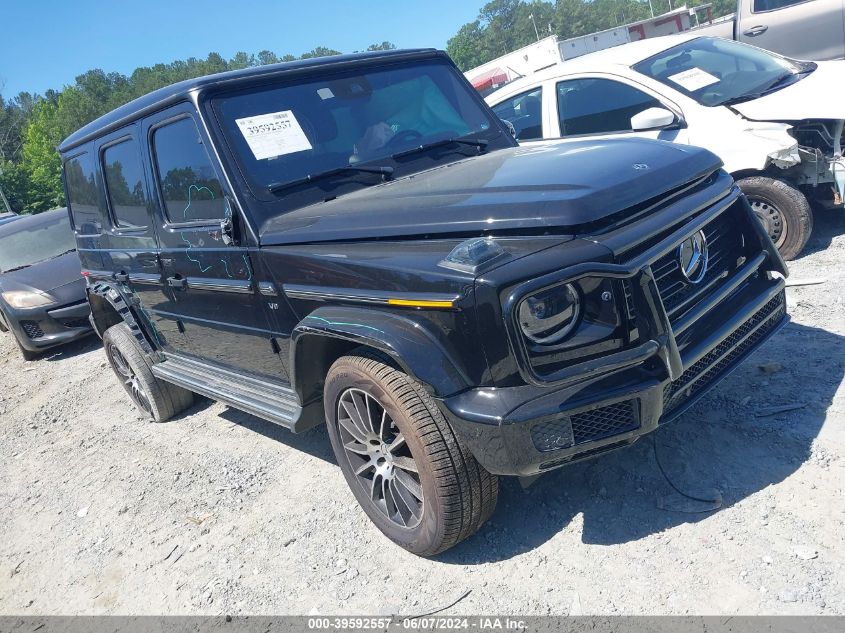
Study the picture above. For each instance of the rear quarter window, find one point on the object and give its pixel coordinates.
(83, 194)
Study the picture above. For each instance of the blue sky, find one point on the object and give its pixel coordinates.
(46, 44)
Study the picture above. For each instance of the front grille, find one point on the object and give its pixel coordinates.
(32, 329)
(604, 422)
(628, 289)
(588, 426)
(724, 244)
(711, 366)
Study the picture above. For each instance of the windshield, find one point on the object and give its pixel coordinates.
(287, 134)
(717, 72)
(28, 241)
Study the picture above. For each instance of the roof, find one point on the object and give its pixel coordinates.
(174, 93)
(624, 55)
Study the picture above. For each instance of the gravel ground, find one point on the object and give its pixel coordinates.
(220, 512)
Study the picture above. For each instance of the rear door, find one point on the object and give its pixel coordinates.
(525, 112)
(808, 29)
(214, 295)
(129, 242)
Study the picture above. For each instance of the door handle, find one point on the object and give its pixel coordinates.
(180, 283)
(756, 30)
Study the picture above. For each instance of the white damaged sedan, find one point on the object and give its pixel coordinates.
(776, 123)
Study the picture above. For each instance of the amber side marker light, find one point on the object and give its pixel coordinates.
(413, 303)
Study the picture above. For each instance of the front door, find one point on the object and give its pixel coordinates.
(599, 106)
(214, 293)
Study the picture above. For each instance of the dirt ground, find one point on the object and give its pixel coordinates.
(219, 512)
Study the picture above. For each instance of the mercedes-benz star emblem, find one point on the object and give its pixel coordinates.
(693, 256)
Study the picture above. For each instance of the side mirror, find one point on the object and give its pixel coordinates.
(653, 119)
(510, 127)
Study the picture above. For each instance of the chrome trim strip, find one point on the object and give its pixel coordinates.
(238, 286)
(320, 293)
(145, 278)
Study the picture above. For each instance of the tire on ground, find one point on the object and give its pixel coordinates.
(165, 399)
(792, 206)
(458, 494)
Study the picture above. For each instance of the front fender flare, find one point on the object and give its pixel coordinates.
(415, 349)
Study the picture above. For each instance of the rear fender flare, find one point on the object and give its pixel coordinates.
(413, 347)
(123, 306)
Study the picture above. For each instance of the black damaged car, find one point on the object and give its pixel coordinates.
(359, 241)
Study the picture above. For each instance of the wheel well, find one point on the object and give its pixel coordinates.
(747, 173)
(314, 356)
(103, 314)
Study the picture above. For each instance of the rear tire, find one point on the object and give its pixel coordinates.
(132, 365)
(408, 470)
(783, 210)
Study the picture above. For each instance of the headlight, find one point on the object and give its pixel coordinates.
(27, 299)
(549, 316)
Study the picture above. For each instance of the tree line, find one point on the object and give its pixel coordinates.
(32, 125)
(503, 26)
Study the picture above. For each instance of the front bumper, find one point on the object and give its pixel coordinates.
(38, 329)
(528, 430)
(686, 344)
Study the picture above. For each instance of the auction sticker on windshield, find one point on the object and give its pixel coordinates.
(273, 134)
(694, 79)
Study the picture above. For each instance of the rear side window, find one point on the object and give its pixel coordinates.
(525, 112)
(598, 106)
(761, 6)
(83, 195)
(189, 185)
(125, 185)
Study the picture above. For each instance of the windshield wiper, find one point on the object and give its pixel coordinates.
(40, 261)
(480, 143)
(385, 171)
(11, 270)
(773, 86)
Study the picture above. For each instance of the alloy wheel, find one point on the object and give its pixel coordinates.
(380, 457)
(130, 379)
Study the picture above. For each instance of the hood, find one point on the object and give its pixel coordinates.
(820, 95)
(548, 187)
(61, 278)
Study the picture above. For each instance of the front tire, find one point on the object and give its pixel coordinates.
(409, 472)
(783, 210)
(132, 365)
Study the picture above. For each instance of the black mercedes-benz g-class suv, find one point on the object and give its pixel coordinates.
(358, 240)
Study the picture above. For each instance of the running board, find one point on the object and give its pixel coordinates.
(272, 402)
